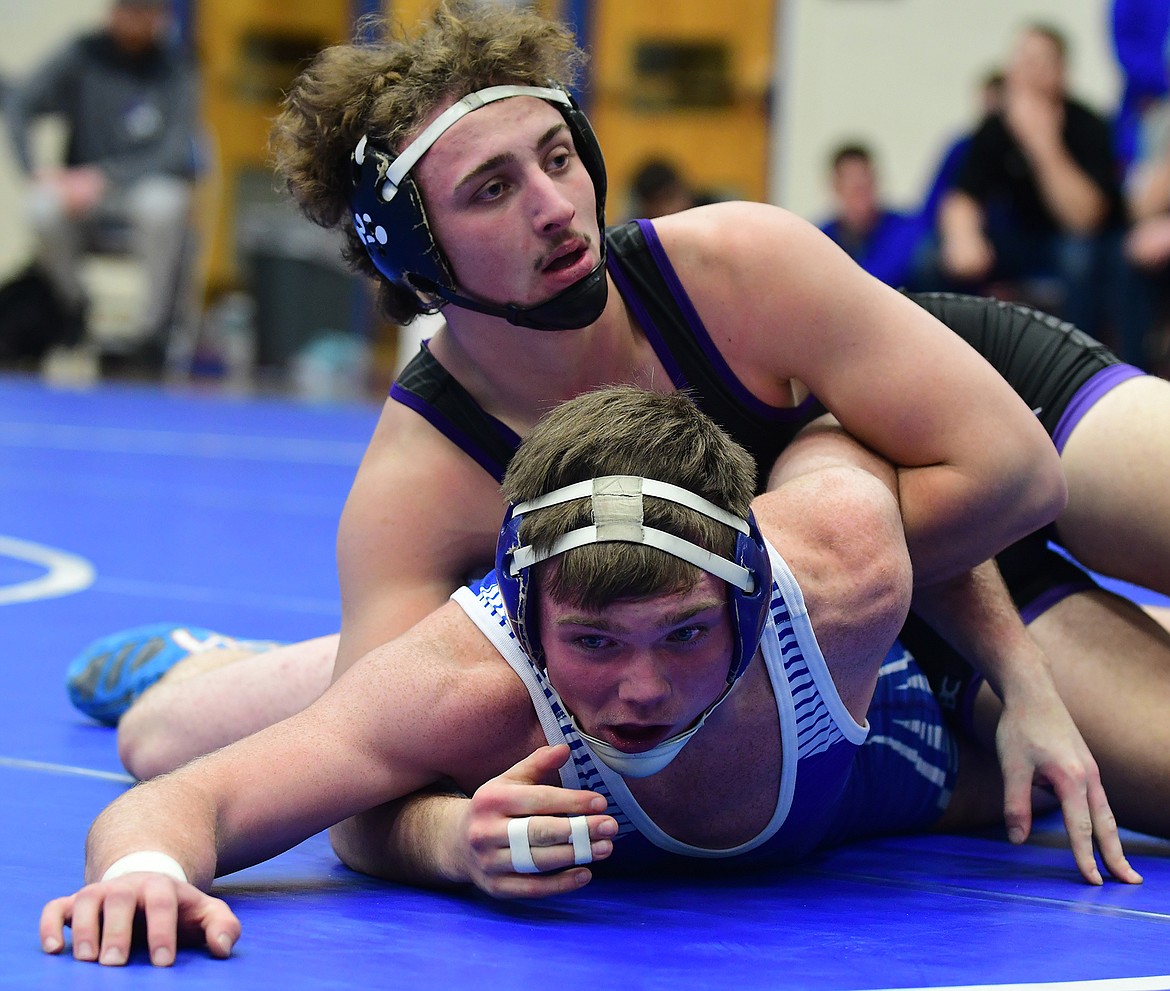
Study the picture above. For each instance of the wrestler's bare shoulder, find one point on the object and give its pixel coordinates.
(409, 462)
(754, 274)
(404, 433)
(721, 236)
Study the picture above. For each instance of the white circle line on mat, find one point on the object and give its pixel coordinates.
(65, 573)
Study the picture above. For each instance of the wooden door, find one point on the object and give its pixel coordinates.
(684, 80)
(250, 51)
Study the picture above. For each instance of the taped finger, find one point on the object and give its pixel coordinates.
(579, 836)
(519, 847)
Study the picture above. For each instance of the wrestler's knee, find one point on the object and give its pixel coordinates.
(148, 744)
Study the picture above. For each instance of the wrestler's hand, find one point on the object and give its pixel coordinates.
(1039, 744)
(103, 918)
(518, 793)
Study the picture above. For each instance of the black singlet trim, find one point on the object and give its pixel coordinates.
(431, 391)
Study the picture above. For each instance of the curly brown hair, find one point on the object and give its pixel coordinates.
(386, 87)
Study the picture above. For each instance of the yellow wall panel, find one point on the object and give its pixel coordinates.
(250, 51)
(636, 98)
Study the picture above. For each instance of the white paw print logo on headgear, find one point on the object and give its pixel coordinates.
(377, 234)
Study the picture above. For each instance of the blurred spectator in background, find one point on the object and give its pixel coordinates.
(127, 96)
(1037, 201)
(1148, 242)
(1148, 193)
(990, 101)
(882, 241)
(659, 188)
(1140, 29)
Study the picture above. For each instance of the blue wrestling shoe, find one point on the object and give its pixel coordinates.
(105, 678)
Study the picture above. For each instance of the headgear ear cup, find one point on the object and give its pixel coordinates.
(589, 151)
(749, 610)
(396, 234)
(514, 587)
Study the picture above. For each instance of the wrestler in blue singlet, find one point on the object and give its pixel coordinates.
(839, 781)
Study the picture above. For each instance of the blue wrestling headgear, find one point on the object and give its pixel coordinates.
(391, 219)
(618, 516)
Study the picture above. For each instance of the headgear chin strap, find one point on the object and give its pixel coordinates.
(574, 307)
(618, 517)
(645, 762)
(391, 219)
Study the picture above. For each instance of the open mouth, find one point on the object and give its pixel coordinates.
(568, 260)
(633, 738)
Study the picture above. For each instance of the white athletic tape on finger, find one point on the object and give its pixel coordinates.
(519, 847)
(579, 835)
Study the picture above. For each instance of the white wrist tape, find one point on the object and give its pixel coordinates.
(150, 861)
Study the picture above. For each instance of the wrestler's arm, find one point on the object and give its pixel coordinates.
(976, 471)
(437, 702)
(917, 394)
(420, 517)
(1036, 739)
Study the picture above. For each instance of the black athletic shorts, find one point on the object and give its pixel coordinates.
(1060, 372)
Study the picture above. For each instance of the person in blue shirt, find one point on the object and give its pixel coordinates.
(1139, 29)
(882, 241)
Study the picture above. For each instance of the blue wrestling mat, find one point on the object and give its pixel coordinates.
(121, 506)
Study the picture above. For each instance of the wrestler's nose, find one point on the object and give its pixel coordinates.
(552, 209)
(644, 681)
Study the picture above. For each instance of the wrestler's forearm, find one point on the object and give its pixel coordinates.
(955, 518)
(168, 816)
(975, 614)
(406, 841)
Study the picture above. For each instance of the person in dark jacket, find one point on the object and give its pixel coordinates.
(127, 94)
